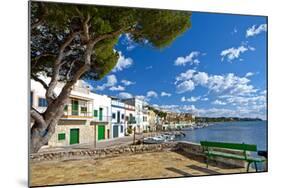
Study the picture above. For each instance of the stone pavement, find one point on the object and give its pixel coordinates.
(129, 167)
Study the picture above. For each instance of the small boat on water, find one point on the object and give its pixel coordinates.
(159, 139)
(153, 140)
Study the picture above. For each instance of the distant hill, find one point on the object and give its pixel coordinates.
(224, 119)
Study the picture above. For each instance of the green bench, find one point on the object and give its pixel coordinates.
(208, 150)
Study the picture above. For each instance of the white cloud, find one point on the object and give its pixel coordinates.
(185, 75)
(252, 31)
(127, 82)
(128, 41)
(122, 63)
(205, 99)
(148, 67)
(249, 74)
(233, 53)
(111, 81)
(117, 88)
(201, 78)
(229, 83)
(218, 102)
(125, 95)
(191, 99)
(185, 86)
(191, 59)
(164, 94)
(151, 94)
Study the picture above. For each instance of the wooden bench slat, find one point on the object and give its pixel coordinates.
(235, 146)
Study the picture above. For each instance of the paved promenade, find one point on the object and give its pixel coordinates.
(100, 144)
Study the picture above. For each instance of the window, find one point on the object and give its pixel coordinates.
(113, 115)
(83, 109)
(121, 129)
(61, 136)
(43, 102)
(95, 113)
(122, 116)
(144, 118)
(65, 108)
(127, 118)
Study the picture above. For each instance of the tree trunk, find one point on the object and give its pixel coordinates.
(41, 131)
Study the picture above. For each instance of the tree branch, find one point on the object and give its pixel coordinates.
(57, 65)
(34, 77)
(86, 27)
(37, 116)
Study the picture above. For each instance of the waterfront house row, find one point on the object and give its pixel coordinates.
(90, 117)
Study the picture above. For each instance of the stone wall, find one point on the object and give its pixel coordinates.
(188, 149)
(101, 153)
(194, 151)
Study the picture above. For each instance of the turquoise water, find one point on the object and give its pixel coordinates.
(237, 132)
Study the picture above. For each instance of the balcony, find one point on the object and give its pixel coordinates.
(77, 109)
(104, 119)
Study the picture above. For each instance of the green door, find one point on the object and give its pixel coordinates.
(74, 107)
(100, 114)
(74, 136)
(101, 132)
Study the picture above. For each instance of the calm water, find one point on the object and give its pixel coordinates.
(237, 132)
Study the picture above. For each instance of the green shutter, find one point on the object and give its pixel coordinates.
(100, 114)
(61, 136)
(95, 113)
(75, 105)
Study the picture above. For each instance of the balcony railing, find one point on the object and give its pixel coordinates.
(77, 114)
(101, 118)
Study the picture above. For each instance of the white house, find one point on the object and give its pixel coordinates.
(117, 118)
(140, 113)
(130, 118)
(101, 116)
(74, 127)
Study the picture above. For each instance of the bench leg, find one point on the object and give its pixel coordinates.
(207, 161)
(248, 166)
(256, 167)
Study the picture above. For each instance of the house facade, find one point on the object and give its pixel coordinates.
(101, 116)
(152, 120)
(130, 118)
(74, 127)
(117, 118)
(140, 113)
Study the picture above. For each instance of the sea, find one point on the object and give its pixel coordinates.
(248, 132)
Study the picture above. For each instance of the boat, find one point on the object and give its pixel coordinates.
(153, 140)
(159, 139)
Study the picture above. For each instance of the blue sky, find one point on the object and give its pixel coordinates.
(216, 68)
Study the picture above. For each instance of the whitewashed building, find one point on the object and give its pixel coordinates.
(140, 113)
(130, 118)
(117, 118)
(101, 116)
(74, 127)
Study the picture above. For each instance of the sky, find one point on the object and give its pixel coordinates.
(216, 68)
